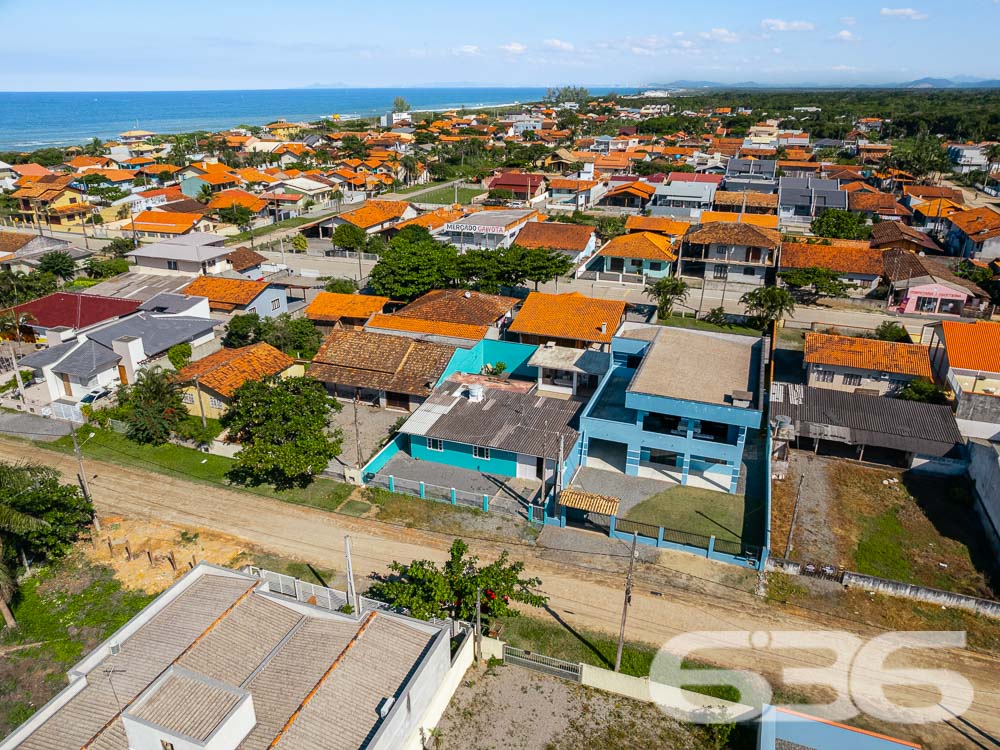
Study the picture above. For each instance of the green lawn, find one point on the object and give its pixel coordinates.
(68, 608)
(446, 196)
(695, 510)
(792, 338)
(295, 221)
(677, 321)
(416, 188)
(196, 466)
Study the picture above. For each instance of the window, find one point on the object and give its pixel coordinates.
(216, 403)
(749, 272)
(171, 265)
(897, 384)
(655, 265)
(481, 453)
(851, 379)
(433, 444)
(824, 376)
(188, 397)
(275, 304)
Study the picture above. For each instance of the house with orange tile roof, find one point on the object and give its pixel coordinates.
(228, 296)
(854, 261)
(330, 311)
(635, 195)
(457, 317)
(216, 177)
(52, 199)
(930, 215)
(570, 319)
(665, 225)
(153, 224)
(966, 360)
(845, 363)
(739, 251)
(228, 199)
(641, 254)
(210, 382)
(433, 221)
(575, 193)
(974, 233)
(373, 216)
(578, 241)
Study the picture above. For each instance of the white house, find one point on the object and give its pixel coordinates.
(190, 254)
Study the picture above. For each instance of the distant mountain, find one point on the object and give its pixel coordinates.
(959, 82)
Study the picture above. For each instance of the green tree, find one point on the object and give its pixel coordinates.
(104, 269)
(240, 216)
(667, 291)
(408, 269)
(205, 194)
(809, 284)
(767, 304)
(282, 426)
(120, 246)
(542, 265)
(353, 147)
(297, 337)
(59, 263)
(349, 237)
(14, 524)
(891, 331)
(924, 391)
(243, 330)
(340, 286)
(399, 104)
(501, 194)
(844, 225)
(920, 156)
(37, 491)
(179, 355)
(12, 321)
(609, 227)
(153, 406)
(299, 243)
(427, 590)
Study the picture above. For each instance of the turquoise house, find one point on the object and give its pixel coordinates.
(646, 254)
(676, 404)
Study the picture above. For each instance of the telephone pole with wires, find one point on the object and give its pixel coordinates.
(628, 601)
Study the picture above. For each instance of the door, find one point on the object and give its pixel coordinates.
(721, 272)
(67, 388)
(397, 401)
(122, 376)
(526, 468)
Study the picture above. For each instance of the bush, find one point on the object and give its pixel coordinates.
(179, 355)
(191, 429)
(26, 376)
(340, 286)
(717, 317)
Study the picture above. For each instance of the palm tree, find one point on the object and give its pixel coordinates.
(205, 194)
(15, 479)
(667, 292)
(59, 263)
(11, 322)
(338, 196)
(409, 164)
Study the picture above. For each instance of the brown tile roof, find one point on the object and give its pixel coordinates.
(331, 307)
(432, 219)
(868, 354)
(459, 306)
(661, 224)
(733, 234)
(888, 233)
(228, 369)
(978, 223)
(749, 199)
(243, 258)
(879, 203)
(569, 316)
(225, 292)
(375, 212)
(640, 245)
(11, 242)
(397, 364)
(45, 188)
(934, 191)
(555, 236)
(841, 258)
(972, 346)
(588, 501)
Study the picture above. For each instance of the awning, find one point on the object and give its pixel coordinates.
(588, 501)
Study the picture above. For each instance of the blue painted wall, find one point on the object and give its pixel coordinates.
(263, 302)
(500, 462)
(488, 351)
(383, 457)
(191, 186)
(818, 734)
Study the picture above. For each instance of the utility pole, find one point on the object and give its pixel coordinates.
(13, 362)
(352, 593)
(201, 404)
(357, 430)
(84, 485)
(479, 622)
(628, 601)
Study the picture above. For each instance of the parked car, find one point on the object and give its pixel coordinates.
(95, 395)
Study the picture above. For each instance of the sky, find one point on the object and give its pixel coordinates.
(99, 45)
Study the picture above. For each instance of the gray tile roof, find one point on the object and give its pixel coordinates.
(157, 333)
(186, 704)
(43, 357)
(88, 359)
(167, 303)
(859, 419)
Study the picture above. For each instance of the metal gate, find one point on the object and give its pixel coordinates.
(541, 663)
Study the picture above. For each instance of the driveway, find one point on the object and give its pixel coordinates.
(31, 427)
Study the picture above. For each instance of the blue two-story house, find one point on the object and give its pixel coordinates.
(676, 405)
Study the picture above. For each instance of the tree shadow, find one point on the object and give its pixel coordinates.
(579, 636)
(713, 521)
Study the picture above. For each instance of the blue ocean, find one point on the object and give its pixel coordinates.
(32, 120)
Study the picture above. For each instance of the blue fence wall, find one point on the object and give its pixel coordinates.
(807, 731)
(385, 455)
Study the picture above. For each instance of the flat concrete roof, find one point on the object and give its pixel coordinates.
(568, 359)
(697, 365)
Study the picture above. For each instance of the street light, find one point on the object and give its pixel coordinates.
(84, 485)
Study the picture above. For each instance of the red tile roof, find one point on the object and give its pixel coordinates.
(228, 369)
(75, 310)
(868, 354)
(972, 346)
(569, 316)
(555, 236)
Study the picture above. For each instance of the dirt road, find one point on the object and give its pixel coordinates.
(583, 596)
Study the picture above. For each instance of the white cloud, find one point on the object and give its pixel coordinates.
(688, 44)
(777, 24)
(844, 69)
(559, 44)
(643, 51)
(848, 20)
(913, 15)
(720, 35)
(776, 50)
(846, 36)
(681, 33)
(467, 49)
(514, 48)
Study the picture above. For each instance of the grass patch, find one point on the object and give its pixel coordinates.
(355, 508)
(295, 221)
(195, 466)
(679, 321)
(792, 338)
(417, 188)
(446, 196)
(695, 510)
(881, 548)
(295, 568)
(68, 608)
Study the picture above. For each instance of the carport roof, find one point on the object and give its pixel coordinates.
(588, 501)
